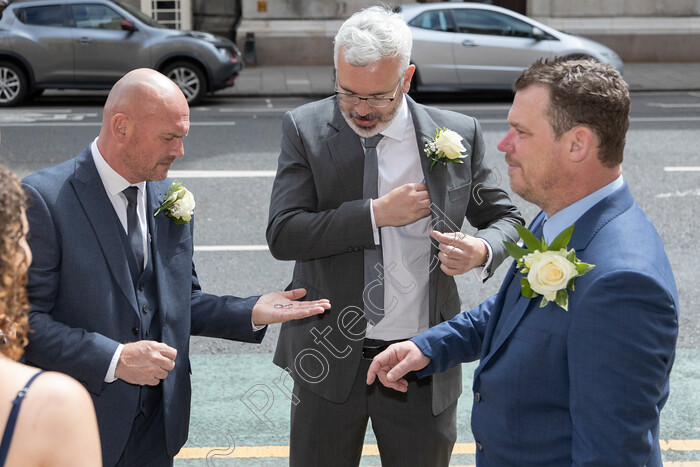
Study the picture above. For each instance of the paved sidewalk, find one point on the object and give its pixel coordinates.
(318, 80)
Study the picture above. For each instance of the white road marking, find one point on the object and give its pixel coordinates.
(682, 169)
(210, 248)
(220, 173)
(668, 105)
(679, 194)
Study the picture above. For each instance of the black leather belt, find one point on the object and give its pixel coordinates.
(373, 347)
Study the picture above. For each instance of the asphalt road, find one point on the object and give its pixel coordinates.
(232, 138)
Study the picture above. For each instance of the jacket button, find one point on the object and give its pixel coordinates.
(477, 397)
(141, 287)
(145, 309)
(479, 447)
(135, 331)
(148, 332)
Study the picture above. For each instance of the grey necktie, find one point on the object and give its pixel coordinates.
(373, 295)
(133, 224)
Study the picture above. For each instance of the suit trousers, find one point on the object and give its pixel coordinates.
(325, 433)
(146, 445)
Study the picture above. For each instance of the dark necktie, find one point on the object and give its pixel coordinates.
(373, 295)
(133, 224)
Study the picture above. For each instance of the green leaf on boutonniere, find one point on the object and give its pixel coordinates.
(531, 242)
(562, 298)
(583, 268)
(525, 288)
(562, 239)
(514, 250)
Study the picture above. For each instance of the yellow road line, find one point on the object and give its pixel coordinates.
(252, 452)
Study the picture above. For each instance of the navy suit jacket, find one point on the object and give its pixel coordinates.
(83, 299)
(583, 387)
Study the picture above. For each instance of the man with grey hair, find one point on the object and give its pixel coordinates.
(351, 217)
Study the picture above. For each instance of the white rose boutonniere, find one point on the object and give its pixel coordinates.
(178, 203)
(551, 269)
(446, 144)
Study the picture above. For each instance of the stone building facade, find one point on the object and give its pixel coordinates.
(300, 32)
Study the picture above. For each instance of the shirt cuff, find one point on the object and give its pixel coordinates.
(110, 378)
(255, 327)
(375, 230)
(482, 272)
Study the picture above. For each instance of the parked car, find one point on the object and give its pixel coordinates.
(90, 44)
(472, 46)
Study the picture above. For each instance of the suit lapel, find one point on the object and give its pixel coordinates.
(438, 183)
(159, 233)
(514, 305)
(437, 180)
(586, 227)
(100, 213)
(347, 154)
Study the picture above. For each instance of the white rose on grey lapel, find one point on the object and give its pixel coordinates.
(447, 145)
(178, 203)
(450, 143)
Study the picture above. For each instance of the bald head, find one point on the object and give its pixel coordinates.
(144, 120)
(142, 92)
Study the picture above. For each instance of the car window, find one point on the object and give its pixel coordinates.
(143, 17)
(490, 23)
(435, 20)
(49, 15)
(96, 16)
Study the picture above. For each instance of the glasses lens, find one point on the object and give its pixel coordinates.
(379, 102)
(352, 100)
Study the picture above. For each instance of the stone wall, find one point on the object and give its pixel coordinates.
(638, 30)
(300, 32)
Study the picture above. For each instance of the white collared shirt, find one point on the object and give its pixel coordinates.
(114, 185)
(405, 249)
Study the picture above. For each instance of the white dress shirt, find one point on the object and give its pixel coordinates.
(114, 185)
(405, 249)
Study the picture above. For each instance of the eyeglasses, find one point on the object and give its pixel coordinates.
(376, 102)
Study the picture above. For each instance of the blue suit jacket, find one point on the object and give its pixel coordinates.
(583, 387)
(83, 302)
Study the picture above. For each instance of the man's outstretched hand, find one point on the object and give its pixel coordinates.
(392, 364)
(278, 307)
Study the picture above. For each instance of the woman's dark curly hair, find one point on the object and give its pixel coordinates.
(13, 273)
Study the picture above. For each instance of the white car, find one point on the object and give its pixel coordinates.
(471, 46)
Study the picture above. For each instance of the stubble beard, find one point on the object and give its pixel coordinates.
(383, 121)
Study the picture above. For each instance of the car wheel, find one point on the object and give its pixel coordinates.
(189, 78)
(13, 84)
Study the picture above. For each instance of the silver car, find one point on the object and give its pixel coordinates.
(90, 44)
(458, 46)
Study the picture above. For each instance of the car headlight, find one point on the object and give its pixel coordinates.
(227, 54)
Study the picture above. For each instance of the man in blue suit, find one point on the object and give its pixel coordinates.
(113, 290)
(553, 387)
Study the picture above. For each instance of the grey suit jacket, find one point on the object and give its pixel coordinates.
(83, 299)
(318, 218)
